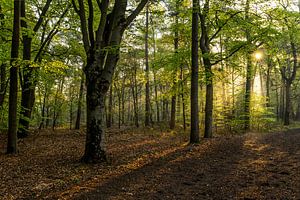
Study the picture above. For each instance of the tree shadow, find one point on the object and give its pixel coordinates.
(187, 173)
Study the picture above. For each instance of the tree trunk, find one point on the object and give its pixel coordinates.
(123, 100)
(269, 66)
(205, 49)
(3, 83)
(94, 148)
(71, 108)
(57, 105)
(79, 105)
(287, 104)
(173, 112)
(248, 94)
(2, 73)
(110, 110)
(249, 75)
(102, 48)
(156, 98)
(147, 100)
(209, 101)
(194, 135)
(29, 82)
(176, 45)
(43, 111)
(182, 97)
(12, 147)
(135, 99)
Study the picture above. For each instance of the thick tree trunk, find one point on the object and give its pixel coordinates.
(194, 135)
(94, 147)
(12, 147)
(102, 49)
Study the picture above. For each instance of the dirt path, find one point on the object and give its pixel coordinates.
(155, 165)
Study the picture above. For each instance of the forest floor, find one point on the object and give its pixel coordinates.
(151, 164)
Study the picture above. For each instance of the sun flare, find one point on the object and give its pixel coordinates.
(258, 55)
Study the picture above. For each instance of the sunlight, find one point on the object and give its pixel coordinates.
(258, 55)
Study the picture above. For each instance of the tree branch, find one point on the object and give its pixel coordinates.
(42, 16)
(75, 7)
(223, 25)
(84, 29)
(136, 12)
(103, 8)
(90, 23)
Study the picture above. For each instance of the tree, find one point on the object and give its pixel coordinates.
(249, 71)
(147, 71)
(102, 47)
(194, 136)
(13, 89)
(79, 105)
(176, 46)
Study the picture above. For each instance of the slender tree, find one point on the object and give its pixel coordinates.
(194, 136)
(79, 104)
(147, 70)
(176, 46)
(249, 72)
(28, 82)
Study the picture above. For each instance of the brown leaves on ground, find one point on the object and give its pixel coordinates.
(149, 164)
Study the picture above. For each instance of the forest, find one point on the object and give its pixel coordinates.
(149, 99)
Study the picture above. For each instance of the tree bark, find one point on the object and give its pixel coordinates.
(176, 45)
(205, 49)
(182, 97)
(135, 98)
(147, 100)
(194, 135)
(102, 48)
(287, 104)
(3, 83)
(110, 110)
(249, 75)
(12, 147)
(268, 81)
(29, 82)
(79, 105)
